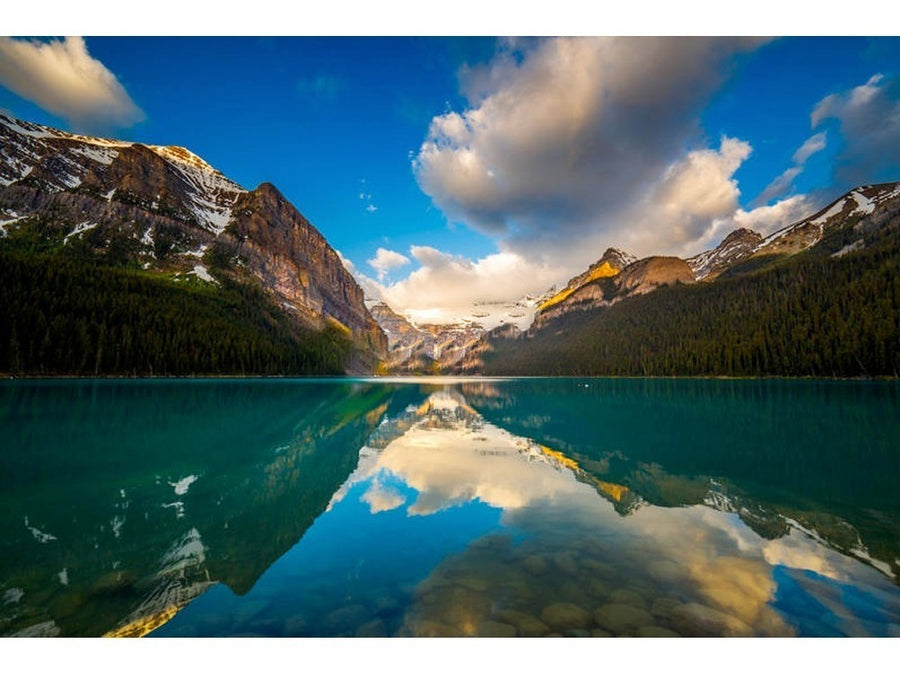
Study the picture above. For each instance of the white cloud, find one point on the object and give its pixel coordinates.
(61, 77)
(571, 145)
(676, 212)
(869, 119)
(445, 287)
(812, 145)
(783, 183)
(769, 218)
(692, 206)
(385, 260)
(371, 208)
(562, 135)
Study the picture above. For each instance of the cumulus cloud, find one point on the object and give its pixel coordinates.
(571, 145)
(869, 120)
(61, 77)
(562, 135)
(385, 260)
(445, 286)
(783, 183)
(676, 212)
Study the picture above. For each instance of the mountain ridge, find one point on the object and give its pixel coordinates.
(817, 297)
(165, 210)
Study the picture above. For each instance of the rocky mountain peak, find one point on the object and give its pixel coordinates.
(164, 208)
(736, 246)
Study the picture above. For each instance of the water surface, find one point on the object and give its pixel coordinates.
(528, 507)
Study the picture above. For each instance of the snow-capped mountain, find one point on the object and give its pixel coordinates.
(858, 205)
(617, 276)
(737, 246)
(423, 348)
(165, 209)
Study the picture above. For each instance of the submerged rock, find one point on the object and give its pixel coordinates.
(435, 629)
(628, 596)
(526, 624)
(565, 615)
(656, 631)
(373, 628)
(535, 564)
(622, 619)
(347, 618)
(495, 629)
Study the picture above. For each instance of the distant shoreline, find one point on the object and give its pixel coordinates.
(446, 378)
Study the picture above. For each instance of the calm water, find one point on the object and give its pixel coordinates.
(520, 507)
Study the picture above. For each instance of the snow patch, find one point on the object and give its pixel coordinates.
(182, 485)
(104, 155)
(179, 508)
(201, 273)
(79, 229)
(856, 245)
(108, 196)
(15, 218)
(43, 629)
(188, 551)
(864, 205)
(116, 524)
(64, 576)
(197, 253)
(862, 553)
(35, 131)
(40, 536)
(834, 210)
(12, 596)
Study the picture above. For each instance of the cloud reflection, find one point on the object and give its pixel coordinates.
(702, 567)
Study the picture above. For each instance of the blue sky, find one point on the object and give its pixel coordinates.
(485, 164)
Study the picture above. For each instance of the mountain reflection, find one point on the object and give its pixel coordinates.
(558, 544)
(706, 569)
(146, 494)
(368, 508)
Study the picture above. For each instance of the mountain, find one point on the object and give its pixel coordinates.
(613, 277)
(736, 247)
(815, 298)
(743, 245)
(424, 348)
(164, 217)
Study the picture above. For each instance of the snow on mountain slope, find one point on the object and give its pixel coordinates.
(165, 209)
(738, 245)
(66, 160)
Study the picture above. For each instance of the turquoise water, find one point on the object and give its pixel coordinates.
(529, 507)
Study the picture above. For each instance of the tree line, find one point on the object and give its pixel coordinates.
(813, 315)
(63, 316)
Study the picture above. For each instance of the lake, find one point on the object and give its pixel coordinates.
(522, 507)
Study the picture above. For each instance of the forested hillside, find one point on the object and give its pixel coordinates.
(68, 317)
(811, 315)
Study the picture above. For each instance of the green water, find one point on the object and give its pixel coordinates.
(528, 507)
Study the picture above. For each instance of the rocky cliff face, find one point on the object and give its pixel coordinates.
(606, 285)
(425, 348)
(864, 210)
(166, 210)
(736, 247)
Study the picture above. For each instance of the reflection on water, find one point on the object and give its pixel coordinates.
(530, 508)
